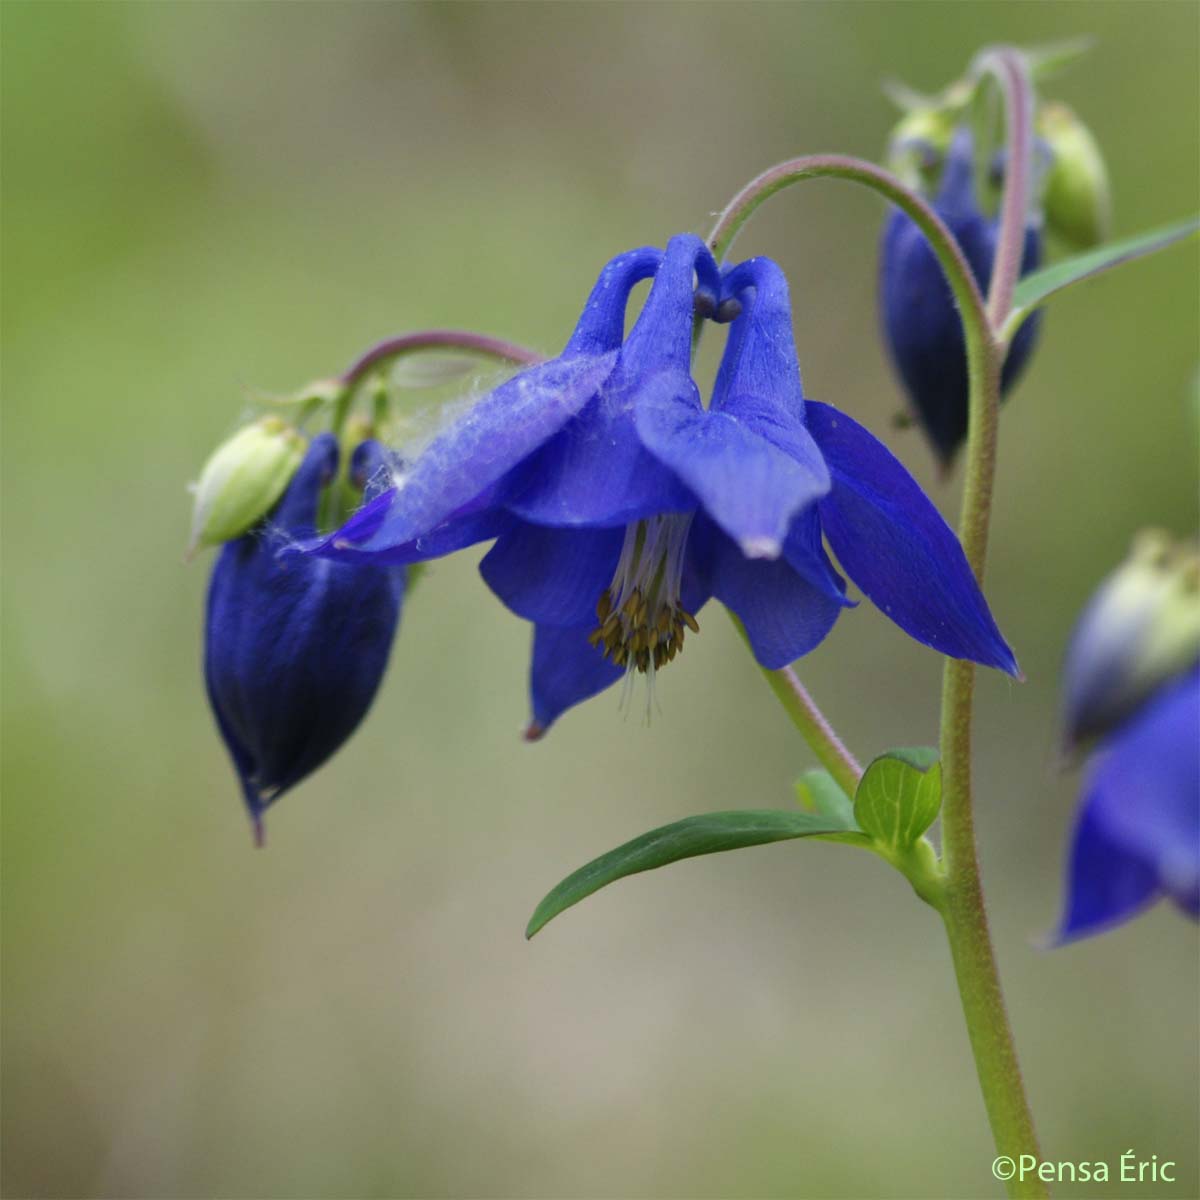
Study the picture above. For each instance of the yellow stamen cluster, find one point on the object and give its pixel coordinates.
(640, 634)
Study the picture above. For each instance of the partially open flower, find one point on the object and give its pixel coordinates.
(295, 647)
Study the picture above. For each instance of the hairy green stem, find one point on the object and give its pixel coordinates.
(812, 723)
(961, 903)
(964, 911)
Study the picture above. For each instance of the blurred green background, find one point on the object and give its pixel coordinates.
(199, 199)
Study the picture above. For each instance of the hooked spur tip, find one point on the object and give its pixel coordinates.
(534, 732)
(761, 547)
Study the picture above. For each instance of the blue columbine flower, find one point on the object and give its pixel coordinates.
(295, 647)
(922, 326)
(1132, 687)
(1137, 838)
(618, 514)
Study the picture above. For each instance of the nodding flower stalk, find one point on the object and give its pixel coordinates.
(963, 909)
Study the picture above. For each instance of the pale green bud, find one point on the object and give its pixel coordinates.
(1141, 628)
(1077, 197)
(243, 479)
(918, 144)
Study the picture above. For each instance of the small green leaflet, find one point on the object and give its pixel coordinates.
(818, 792)
(899, 796)
(709, 833)
(1037, 288)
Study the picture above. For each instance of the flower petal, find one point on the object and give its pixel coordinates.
(566, 669)
(785, 616)
(485, 444)
(472, 523)
(1144, 786)
(296, 513)
(760, 356)
(805, 554)
(595, 472)
(894, 544)
(1108, 885)
(749, 485)
(552, 576)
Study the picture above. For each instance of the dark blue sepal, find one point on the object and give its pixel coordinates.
(1138, 833)
(921, 325)
(295, 646)
(486, 450)
(893, 542)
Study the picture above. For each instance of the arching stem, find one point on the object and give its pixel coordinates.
(964, 912)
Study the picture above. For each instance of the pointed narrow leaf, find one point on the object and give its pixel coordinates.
(899, 795)
(709, 833)
(818, 792)
(1038, 287)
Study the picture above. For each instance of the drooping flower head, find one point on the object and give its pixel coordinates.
(1133, 688)
(295, 647)
(1137, 836)
(619, 513)
(920, 323)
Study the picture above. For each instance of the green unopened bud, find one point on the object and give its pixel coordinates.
(243, 479)
(918, 144)
(1141, 628)
(1078, 200)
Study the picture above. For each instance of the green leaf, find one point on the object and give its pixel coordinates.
(1037, 288)
(709, 833)
(899, 796)
(818, 792)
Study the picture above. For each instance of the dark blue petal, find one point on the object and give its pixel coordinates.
(805, 553)
(295, 648)
(566, 670)
(1108, 885)
(595, 472)
(1146, 785)
(296, 512)
(481, 448)
(746, 483)
(486, 443)
(1139, 826)
(894, 544)
(920, 322)
(785, 615)
(601, 326)
(760, 356)
(552, 576)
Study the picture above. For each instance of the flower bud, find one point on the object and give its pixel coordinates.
(295, 647)
(1140, 629)
(1078, 201)
(920, 321)
(918, 145)
(242, 479)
